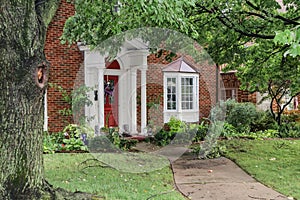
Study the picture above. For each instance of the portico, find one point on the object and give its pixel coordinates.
(114, 84)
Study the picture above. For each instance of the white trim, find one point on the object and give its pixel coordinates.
(143, 100)
(133, 78)
(189, 115)
(101, 120)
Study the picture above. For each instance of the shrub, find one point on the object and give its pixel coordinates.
(290, 130)
(202, 130)
(211, 139)
(241, 116)
(164, 136)
(214, 152)
(228, 131)
(263, 121)
(121, 143)
(53, 142)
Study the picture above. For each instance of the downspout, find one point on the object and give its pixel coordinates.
(217, 84)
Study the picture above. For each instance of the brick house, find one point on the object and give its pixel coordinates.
(135, 89)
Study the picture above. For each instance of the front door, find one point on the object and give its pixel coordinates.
(111, 101)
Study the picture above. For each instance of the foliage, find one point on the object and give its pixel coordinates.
(274, 163)
(258, 135)
(68, 140)
(75, 131)
(111, 142)
(228, 130)
(209, 146)
(240, 35)
(94, 22)
(215, 152)
(241, 116)
(121, 143)
(74, 144)
(263, 121)
(202, 130)
(53, 142)
(244, 117)
(290, 130)
(76, 100)
(164, 136)
(290, 38)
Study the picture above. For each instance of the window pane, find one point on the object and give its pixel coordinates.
(171, 94)
(187, 93)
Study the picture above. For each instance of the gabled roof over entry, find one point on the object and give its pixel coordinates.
(180, 65)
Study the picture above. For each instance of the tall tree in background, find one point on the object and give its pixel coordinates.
(241, 34)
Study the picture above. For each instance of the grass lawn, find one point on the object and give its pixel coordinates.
(67, 171)
(275, 163)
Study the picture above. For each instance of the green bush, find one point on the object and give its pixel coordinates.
(53, 142)
(290, 130)
(68, 140)
(164, 136)
(241, 116)
(202, 130)
(214, 152)
(228, 131)
(121, 143)
(263, 121)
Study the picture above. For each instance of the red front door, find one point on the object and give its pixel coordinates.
(111, 101)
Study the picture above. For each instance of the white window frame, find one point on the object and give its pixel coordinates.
(180, 112)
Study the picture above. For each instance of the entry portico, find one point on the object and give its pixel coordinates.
(122, 93)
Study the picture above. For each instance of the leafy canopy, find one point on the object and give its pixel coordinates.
(96, 21)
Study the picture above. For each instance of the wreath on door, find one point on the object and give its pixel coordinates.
(108, 88)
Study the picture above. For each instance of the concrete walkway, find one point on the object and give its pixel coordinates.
(218, 179)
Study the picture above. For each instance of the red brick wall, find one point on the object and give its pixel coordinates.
(230, 81)
(208, 88)
(65, 63)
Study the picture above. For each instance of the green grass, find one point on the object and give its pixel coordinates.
(275, 163)
(69, 172)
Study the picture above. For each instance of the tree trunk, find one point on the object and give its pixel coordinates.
(22, 79)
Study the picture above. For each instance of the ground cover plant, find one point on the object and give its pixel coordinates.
(71, 172)
(274, 162)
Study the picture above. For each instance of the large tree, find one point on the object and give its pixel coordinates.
(241, 35)
(23, 77)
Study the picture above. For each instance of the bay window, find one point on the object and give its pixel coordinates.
(181, 96)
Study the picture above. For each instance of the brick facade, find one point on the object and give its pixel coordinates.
(232, 89)
(65, 63)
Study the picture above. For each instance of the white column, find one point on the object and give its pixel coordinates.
(101, 97)
(133, 101)
(143, 100)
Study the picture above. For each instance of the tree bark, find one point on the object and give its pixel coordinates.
(23, 78)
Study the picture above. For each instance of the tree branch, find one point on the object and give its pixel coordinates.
(46, 9)
(285, 20)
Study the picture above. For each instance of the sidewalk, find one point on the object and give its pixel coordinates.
(218, 179)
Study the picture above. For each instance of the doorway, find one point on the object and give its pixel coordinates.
(111, 95)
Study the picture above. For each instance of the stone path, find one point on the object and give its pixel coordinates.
(218, 179)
